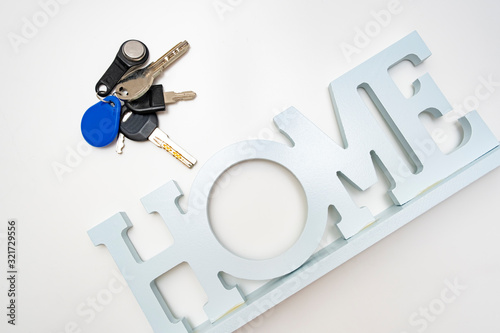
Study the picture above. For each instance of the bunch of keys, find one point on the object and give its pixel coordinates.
(129, 101)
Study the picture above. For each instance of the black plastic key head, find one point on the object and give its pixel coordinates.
(132, 53)
(138, 127)
(152, 101)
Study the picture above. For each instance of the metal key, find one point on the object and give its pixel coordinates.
(155, 99)
(120, 143)
(171, 97)
(142, 127)
(138, 82)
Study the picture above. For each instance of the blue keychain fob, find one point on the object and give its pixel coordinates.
(101, 122)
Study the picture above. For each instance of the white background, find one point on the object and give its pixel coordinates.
(248, 61)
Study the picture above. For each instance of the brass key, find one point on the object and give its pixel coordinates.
(138, 82)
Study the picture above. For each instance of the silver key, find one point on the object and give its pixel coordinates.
(143, 127)
(171, 97)
(120, 143)
(138, 82)
(156, 100)
(161, 140)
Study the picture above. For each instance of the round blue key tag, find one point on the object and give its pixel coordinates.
(101, 122)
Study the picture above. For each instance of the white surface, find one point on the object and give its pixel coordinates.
(245, 65)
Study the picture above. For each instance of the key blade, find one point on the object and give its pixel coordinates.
(161, 140)
(173, 97)
(169, 58)
(120, 143)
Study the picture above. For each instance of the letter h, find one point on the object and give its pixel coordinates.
(140, 275)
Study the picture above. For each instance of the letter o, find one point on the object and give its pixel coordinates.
(40, 15)
(104, 297)
(369, 31)
(437, 306)
(317, 210)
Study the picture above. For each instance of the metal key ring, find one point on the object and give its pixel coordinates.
(105, 101)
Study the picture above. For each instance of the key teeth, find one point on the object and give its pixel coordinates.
(120, 143)
(176, 154)
(171, 97)
(161, 139)
(188, 95)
